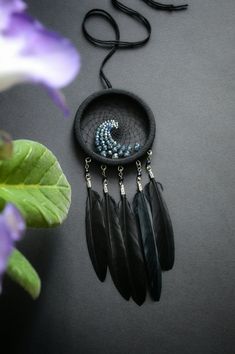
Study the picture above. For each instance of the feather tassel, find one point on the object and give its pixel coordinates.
(95, 234)
(143, 214)
(162, 225)
(135, 262)
(144, 217)
(117, 258)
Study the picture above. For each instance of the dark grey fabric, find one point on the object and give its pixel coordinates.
(186, 74)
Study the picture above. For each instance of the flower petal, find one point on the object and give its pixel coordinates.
(6, 244)
(14, 222)
(6, 247)
(59, 99)
(29, 52)
(12, 226)
(8, 7)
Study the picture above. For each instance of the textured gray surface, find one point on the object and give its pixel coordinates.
(186, 74)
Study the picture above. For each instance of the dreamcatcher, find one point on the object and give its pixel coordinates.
(116, 128)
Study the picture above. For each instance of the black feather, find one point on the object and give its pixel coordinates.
(144, 217)
(162, 225)
(135, 262)
(117, 257)
(95, 233)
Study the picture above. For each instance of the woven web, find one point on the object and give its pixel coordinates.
(133, 124)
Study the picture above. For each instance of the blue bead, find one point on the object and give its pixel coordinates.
(99, 148)
(137, 147)
(118, 146)
(120, 153)
(109, 152)
(115, 149)
(123, 147)
(129, 147)
(105, 148)
(103, 153)
(115, 156)
(126, 154)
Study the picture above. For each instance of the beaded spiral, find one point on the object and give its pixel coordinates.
(106, 146)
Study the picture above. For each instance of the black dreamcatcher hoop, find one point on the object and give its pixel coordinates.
(116, 128)
(136, 125)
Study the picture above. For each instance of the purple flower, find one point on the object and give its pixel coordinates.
(31, 53)
(8, 7)
(12, 226)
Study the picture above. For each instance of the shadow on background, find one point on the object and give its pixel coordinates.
(17, 308)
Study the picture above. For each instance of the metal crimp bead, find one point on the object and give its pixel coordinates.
(105, 186)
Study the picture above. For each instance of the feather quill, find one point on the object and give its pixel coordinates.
(135, 262)
(162, 225)
(95, 234)
(117, 257)
(144, 218)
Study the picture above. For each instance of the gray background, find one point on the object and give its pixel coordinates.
(186, 74)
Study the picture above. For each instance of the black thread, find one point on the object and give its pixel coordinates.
(117, 44)
(165, 7)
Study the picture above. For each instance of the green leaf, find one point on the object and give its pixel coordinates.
(21, 271)
(34, 181)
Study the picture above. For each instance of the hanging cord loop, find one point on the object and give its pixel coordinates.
(117, 43)
(165, 7)
(114, 44)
